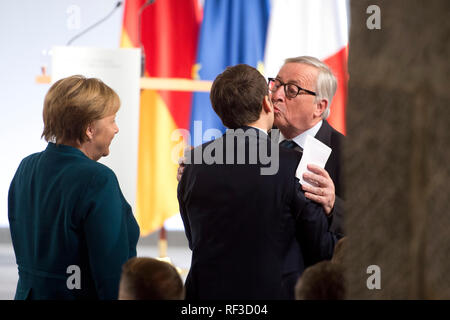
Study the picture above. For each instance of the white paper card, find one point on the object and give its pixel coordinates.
(314, 152)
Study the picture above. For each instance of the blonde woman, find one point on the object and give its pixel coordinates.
(71, 227)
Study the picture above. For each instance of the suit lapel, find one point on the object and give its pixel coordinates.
(324, 133)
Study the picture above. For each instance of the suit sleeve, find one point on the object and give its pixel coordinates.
(181, 194)
(337, 217)
(106, 233)
(312, 228)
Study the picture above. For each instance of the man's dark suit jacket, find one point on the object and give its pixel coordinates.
(240, 223)
(334, 139)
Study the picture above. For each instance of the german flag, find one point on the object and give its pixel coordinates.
(169, 33)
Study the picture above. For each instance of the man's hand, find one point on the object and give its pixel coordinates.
(323, 190)
(180, 169)
(182, 163)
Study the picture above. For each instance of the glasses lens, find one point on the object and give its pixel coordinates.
(291, 90)
(272, 86)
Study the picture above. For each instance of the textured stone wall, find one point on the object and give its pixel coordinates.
(397, 153)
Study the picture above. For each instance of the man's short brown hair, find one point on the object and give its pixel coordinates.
(150, 279)
(237, 95)
(73, 103)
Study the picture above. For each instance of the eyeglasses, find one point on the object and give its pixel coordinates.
(290, 90)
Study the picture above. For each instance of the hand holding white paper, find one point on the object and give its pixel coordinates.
(314, 152)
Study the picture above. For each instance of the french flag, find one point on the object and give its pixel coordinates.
(317, 28)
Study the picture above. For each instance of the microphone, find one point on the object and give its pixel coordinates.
(141, 9)
(118, 4)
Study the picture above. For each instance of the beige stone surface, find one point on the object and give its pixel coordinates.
(397, 151)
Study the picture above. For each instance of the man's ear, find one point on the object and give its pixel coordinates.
(267, 105)
(321, 107)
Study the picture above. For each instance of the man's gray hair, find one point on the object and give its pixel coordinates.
(326, 81)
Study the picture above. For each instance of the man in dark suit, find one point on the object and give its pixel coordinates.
(240, 202)
(301, 94)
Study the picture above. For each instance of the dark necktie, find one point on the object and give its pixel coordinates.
(291, 145)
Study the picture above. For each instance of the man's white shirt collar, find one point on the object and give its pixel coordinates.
(301, 138)
(259, 129)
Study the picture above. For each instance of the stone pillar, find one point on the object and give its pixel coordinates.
(397, 153)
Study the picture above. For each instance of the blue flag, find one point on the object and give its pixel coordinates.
(232, 32)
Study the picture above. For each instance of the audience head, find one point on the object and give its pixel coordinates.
(339, 251)
(237, 95)
(322, 281)
(150, 279)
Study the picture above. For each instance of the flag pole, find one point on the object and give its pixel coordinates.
(162, 244)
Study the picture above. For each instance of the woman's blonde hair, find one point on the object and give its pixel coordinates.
(73, 103)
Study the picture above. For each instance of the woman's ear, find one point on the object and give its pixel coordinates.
(90, 131)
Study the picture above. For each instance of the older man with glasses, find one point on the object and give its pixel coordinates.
(301, 94)
(301, 109)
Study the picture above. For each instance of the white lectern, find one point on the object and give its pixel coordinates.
(119, 69)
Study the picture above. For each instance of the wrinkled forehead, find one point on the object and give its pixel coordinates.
(298, 73)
